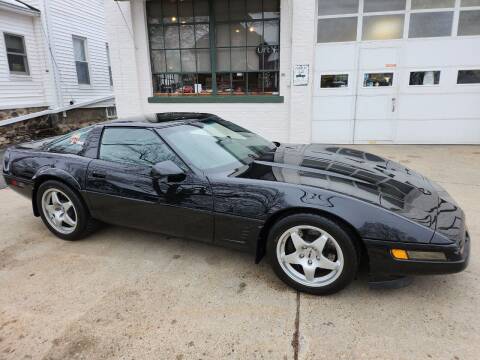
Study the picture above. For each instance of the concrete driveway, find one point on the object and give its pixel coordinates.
(125, 294)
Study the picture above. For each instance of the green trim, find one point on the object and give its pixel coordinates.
(257, 99)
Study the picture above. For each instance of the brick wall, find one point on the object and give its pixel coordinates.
(45, 126)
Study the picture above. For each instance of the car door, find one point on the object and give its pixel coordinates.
(121, 190)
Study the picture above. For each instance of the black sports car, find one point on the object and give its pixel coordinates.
(316, 211)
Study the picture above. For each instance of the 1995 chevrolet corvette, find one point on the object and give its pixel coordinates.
(317, 212)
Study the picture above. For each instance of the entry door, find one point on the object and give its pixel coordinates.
(377, 94)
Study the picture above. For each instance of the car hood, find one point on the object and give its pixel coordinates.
(357, 174)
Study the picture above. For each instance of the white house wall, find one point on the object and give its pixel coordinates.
(68, 18)
(20, 91)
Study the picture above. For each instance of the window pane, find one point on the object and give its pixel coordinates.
(14, 44)
(334, 7)
(430, 24)
(172, 37)
(253, 59)
(271, 80)
(223, 59)
(156, 36)
(224, 86)
(382, 27)
(165, 83)
(203, 61)
(239, 83)
(334, 81)
(432, 4)
(201, 11)
(170, 15)
(83, 76)
(188, 84)
(203, 35)
(469, 23)
(237, 9)
(239, 59)
(71, 143)
(221, 10)
(187, 39)
(154, 12)
(336, 30)
(271, 32)
(238, 34)
(188, 61)
(470, 3)
(254, 33)
(185, 11)
(468, 77)
(271, 9)
(255, 83)
(424, 78)
(79, 49)
(205, 80)
(223, 35)
(17, 63)
(134, 146)
(268, 57)
(377, 79)
(254, 9)
(158, 61)
(384, 5)
(173, 60)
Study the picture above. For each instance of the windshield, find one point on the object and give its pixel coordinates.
(216, 144)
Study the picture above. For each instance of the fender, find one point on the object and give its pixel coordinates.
(51, 173)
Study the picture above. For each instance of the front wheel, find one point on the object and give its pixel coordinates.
(63, 211)
(312, 254)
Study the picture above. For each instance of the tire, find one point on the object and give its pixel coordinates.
(68, 218)
(326, 260)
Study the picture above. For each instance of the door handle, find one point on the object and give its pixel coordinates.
(99, 174)
(394, 103)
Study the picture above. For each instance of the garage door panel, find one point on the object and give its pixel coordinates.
(332, 132)
(420, 131)
(333, 108)
(439, 106)
(373, 130)
(365, 104)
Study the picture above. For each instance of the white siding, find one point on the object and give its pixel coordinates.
(86, 19)
(18, 91)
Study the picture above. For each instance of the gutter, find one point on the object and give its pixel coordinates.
(31, 11)
(54, 111)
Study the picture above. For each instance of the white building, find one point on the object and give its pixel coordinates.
(53, 59)
(330, 71)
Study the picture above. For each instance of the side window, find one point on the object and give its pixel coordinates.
(71, 143)
(134, 146)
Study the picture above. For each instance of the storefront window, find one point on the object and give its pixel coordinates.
(213, 47)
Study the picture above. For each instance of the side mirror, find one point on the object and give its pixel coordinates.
(168, 170)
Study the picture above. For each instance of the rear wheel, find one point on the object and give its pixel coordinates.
(63, 212)
(312, 254)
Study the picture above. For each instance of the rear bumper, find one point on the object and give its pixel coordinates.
(382, 262)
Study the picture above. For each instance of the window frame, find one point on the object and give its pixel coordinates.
(25, 73)
(84, 41)
(212, 50)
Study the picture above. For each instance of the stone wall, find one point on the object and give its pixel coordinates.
(49, 125)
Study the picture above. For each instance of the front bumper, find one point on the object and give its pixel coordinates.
(382, 262)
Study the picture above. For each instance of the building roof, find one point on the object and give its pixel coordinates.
(18, 6)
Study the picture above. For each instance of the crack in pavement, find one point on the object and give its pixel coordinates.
(296, 333)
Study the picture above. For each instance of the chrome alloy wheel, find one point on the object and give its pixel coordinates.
(59, 211)
(310, 256)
